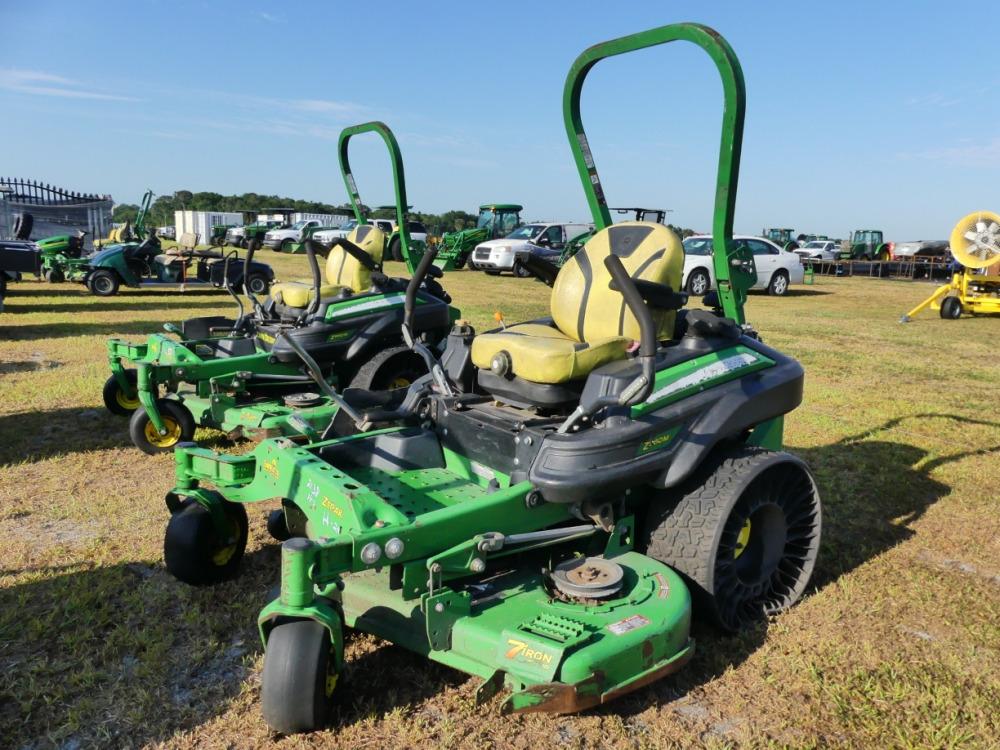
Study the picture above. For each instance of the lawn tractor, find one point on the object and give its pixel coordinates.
(573, 245)
(975, 289)
(496, 220)
(63, 256)
(257, 376)
(540, 507)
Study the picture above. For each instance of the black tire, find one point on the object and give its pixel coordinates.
(178, 420)
(23, 225)
(299, 677)
(744, 531)
(258, 284)
(117, 402)
(461, 260)
(521, 271)
(54, 276)
(778, 285)
(699, 283)
(395, 367)
(103, 283)
(193, 549)
(396, 249)
(951, 308)
(277, 526)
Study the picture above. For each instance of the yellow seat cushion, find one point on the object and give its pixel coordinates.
(342, 270)
(592, 325)
(543, 354)
(300, 293)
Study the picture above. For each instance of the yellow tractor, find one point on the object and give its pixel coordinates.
(975, 289)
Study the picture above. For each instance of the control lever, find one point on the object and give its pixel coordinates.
(409, 304)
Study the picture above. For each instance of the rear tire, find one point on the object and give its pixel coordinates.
(299, 677)
(744, 531)
(951, 308)
(778, 286)
(193, 550)
(117, 402)
(396, 249)
(177, 419)
(103, 283)
(395, 367)
(54, 276)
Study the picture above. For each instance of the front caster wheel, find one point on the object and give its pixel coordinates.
(177, 420)
(196, 552)
(744, 532)
(118, 401)
(299, 677)
(277, 525)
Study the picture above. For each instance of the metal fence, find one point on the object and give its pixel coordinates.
(920, 268)
(54, 210)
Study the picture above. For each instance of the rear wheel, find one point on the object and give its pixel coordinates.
(951, 308)
(389, 369)
(299, 677)
(257, 282)
(118, 401)
(196, 552)
(744, 532)
(177, 420)
(103, 283)
(396, 249)
(778, 286)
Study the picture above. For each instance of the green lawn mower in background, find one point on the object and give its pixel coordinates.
(542, 505)
(496, 220)
(249, 376)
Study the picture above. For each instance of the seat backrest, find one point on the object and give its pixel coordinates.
(345, 270)
(188, 240)
(582, 305)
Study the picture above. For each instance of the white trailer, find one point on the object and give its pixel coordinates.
(201, 222)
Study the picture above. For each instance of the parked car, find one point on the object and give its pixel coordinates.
(920, 249)
(777, 269)
(169, 233)
(546, 240)
(819, 250)
(283, 237)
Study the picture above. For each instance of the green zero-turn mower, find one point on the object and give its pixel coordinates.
(539, 510)
(256, 376)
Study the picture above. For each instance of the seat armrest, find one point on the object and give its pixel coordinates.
(660, 296)
(537, 267)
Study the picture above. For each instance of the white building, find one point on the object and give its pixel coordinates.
(201, 222)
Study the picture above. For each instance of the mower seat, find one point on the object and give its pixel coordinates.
(342, 271)
(166, 259)
(591, 324)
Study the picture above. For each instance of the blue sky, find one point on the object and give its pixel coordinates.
(859, 114)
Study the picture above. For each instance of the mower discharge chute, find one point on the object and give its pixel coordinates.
(540, 508)
(248, 378)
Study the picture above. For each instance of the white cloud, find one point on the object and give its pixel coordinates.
(39, 83)
(263, 16)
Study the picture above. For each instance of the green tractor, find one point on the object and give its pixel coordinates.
(496, 220)
(547, 507)
(867, 244)
(269, 372)
(253, 229)
(62, 255)
(783, 238)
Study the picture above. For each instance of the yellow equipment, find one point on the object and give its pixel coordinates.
(975, 243)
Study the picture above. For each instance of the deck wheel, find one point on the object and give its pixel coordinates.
(299, 678)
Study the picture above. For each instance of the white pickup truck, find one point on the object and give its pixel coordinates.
(393, 252)
(543, 239)
(281, 239)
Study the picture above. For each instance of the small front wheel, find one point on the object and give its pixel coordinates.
(196, 552)
(951, 308)
(299, 677)
(118, 401)
(257, 283)
(54, 276)
(177, 420)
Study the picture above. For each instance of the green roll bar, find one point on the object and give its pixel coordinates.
(734, 270)
(398, 180)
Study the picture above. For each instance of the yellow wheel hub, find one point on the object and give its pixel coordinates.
(224, 555)
(125, 402)
(171, 438)
(331, 684)
(400, 382)
(742, 539)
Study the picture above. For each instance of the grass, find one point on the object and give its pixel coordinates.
(896, 645)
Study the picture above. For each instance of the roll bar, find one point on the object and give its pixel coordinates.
(733, 269)
(398, 179)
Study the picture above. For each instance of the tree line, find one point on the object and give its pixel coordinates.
(161, 211)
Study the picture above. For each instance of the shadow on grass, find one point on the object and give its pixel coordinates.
(793, 291)
(87, 304)
(124, 655)
(37, 435)
(65, 329)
